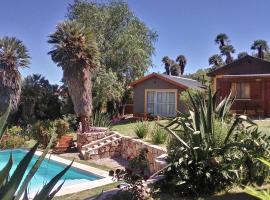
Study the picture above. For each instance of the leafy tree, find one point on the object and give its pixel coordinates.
(182, 61)
(39, 101)
(75, 50)
(215, 60)
(125, 42)
(261, 46)
(67, 107)
(13, 55)
(104, 92)
(200, 75)
(242, 54)
(227, 51)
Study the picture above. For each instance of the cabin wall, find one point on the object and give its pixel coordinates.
(258, 105)
(152, 83)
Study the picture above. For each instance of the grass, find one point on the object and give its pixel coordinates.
(127, 128)
(264, 126)
(87, 193)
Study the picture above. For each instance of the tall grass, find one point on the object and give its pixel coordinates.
(142, 129)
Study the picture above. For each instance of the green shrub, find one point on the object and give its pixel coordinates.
(71, 119)
(159, 135)
(134, 174)
(185, 102)
(101, 120)
(11, 141)
(61, 127)
(263, 194)
(141, 129)
(14, 130)
(209, 150)
(42, 131)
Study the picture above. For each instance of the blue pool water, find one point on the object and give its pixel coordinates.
(47, 170)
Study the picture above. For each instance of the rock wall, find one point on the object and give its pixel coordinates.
(126, 147)
(95, 134)
(130, 148)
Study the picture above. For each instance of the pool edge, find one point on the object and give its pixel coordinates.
(74, 188)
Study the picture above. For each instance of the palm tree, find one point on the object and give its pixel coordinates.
(75, 50)
(261, 46)
(242, 55)
(215, 60)
(226, 51)
(167, 62)
(13, 55)
(182, 61)
(222, 39)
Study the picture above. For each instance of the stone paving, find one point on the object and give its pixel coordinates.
(114, 162)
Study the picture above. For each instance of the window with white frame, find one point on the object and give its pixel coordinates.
(161, 103)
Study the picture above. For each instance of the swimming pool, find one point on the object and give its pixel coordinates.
(48, 169)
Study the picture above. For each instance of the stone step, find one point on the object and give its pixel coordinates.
(95, 150)
(97, 142)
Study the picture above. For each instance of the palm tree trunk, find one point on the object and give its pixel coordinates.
(80, 89)
(85, 124)
(260, 53)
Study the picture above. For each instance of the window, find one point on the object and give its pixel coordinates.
(150, 102)
(161, 103)
(241, 90)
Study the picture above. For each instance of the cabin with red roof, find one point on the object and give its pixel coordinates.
(158, 94)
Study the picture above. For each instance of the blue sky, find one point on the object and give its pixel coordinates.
(184, 27)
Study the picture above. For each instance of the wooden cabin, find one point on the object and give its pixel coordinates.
(249, 80)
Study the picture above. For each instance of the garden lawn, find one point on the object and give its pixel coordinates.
(127, 128)
(264, 126)
(87, 193)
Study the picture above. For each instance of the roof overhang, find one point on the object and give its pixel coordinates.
(247, 76)
(156, 75)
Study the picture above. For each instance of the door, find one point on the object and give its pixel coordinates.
(162, 103)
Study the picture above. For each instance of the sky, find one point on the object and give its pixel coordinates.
(185, 27)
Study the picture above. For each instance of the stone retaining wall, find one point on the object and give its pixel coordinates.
(95, 134)
(126, 147)
(130, 148)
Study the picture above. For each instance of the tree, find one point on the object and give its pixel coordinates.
(227, 50)
(182, 61)
(242, 55)
(222, 39)
(125, 42)
(261, 46)
(171, 67)
(75, 50)
(201, 76)
(13, 55)
(39, 99)
(215, 60)
(175, 69)
(167, 62)
(104, 92)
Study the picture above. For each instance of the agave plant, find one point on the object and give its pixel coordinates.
(13, 186)
(258, 193)
(203, 160)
